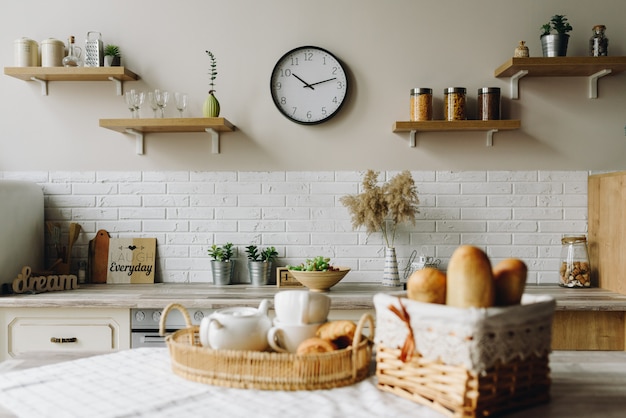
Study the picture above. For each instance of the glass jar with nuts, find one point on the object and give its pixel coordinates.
(575, 270)
(454, 103)
(421, 104)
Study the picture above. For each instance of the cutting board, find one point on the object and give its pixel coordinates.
(607, 230)
(99, 257)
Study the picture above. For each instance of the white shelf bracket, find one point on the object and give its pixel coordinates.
(138, 140)
(412, 140)
(215, 139)
(593, 82)
(490, 137)
(515, 83)
(43, 83)
(118, 85)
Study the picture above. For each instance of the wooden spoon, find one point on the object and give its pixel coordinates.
(73, 237)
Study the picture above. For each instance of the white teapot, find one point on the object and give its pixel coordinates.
(237, 328)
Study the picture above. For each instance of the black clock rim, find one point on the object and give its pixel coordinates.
(274, 99)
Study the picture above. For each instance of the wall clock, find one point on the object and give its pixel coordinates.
(309, 85)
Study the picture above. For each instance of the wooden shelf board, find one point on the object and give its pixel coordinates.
(456, 125)
(71, 73)
(162, 125)
(561, 66)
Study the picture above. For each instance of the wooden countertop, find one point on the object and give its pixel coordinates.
(345, 296)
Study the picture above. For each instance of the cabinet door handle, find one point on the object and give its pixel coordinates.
(63, 340)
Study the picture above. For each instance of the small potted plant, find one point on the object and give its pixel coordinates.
(222, 266)
(211, 107)
(260, 264)
(555, 44)
(112, 56)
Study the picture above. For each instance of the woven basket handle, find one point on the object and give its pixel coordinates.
(167, 310)
(358, 334)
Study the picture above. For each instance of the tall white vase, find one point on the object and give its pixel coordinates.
(391, 277)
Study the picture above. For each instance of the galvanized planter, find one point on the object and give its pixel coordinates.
(554, 45)
(222, 272)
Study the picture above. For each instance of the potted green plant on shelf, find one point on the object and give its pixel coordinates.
(112, 56)
(555, 44)
(260, 263)
(222, 267)
(211, 107)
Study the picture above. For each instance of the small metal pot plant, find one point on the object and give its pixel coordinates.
(260, 262)
(222, 267)
(555, 44)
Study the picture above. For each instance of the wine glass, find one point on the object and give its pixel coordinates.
(130, 102)
(139, 99)
(161, 97)
(181, 102)
(153, 103)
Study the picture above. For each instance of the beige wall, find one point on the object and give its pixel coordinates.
(388, 46)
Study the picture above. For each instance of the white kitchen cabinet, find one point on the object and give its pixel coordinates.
(30, 330)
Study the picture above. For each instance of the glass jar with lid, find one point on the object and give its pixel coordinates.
(598, 43)
(575, 270)
(489, 103)
(421, 104)
(454, 103)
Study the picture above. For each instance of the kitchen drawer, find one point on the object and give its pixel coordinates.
(31, 330)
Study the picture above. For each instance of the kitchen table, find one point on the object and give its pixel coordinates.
(140, 383)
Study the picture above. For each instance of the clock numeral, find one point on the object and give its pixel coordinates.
(295, 61)
(339, 85)
(309, 115)
(308, 56)
(334, 72)
(324, 112)
(285, 72)
(278, 85)
(283, 100)
(295, 109)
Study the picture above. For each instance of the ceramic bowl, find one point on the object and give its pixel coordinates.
(320, 281)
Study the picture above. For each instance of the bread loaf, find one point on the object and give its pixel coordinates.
(509, 277)
(427, 285)
(470, 279)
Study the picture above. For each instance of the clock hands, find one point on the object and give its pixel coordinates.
(320, 82)
(305, 83)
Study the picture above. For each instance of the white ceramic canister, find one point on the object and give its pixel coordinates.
(52, 52)
(26, 53)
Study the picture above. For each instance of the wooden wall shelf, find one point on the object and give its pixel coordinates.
(139, 127)
(43, 75)
(592, 67)
(491, 126)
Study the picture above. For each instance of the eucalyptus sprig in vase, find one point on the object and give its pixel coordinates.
(211, 107)
(382, 208)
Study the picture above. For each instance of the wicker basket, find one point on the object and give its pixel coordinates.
(479, 373)
(267, 370)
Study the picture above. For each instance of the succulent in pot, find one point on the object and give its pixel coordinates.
(555, 44)
(260, 263)
(222, 267)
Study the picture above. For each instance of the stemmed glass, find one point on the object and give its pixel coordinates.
(161, 98)
(181, 102)
(139, 98)
(130, 102)
(153, 103)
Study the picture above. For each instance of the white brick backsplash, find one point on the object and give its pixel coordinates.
(520, 214)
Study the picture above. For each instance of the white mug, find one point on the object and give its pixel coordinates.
(301, 307)
(285, 338)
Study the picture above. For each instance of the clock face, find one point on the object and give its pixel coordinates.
(309, 85)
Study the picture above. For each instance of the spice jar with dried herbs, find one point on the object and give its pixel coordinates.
(421, 104)
(454, 103)
(574, 270)
(489, 103)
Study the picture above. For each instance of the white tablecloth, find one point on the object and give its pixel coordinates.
(140, 383)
